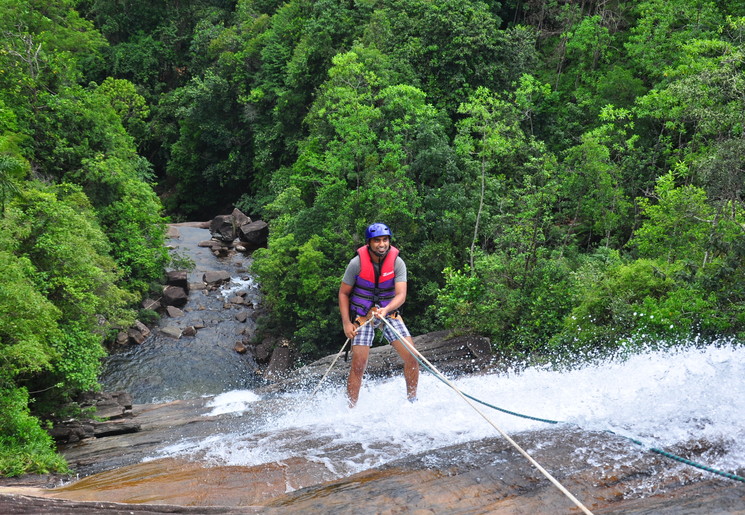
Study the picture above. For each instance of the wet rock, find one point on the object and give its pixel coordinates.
(111, 409)
(98, 400)
(174, 312)
(172, 233)
(171, 331)
(223, 228)
(122, 338)
(279, 364)
(263, 351)
(448, 352)
(485, 476)
(189, 331)
(178, 278)
(255, 234)
(174, 296)
(134, 336)
(145, 330)
(71, 432)
(215, 278)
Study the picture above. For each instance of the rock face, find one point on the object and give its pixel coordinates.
(485, 476)
(112, 416)
(447, 351)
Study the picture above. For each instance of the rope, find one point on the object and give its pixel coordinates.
(431, 367)
(661, 452)
(335, 359)
(427, 365)
(681, 459)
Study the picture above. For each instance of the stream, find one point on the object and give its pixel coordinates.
(163, 368)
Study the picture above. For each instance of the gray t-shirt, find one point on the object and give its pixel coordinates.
(354, 268)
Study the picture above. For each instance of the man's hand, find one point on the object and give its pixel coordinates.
(380, 312)
(350, 330)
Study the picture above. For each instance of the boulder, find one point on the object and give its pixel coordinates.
(135, 336)
(71, 432)
(178, 278)
(174, 312)
(174, 296)
(254, 234)
(279, 364)
(239, 219)
(171, 331)
(145, 330)
(122, 338)
(215, 277)
(263, 351)
(189, 331)
(225, 227)
(222, 228)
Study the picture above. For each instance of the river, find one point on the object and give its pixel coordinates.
(164, 368)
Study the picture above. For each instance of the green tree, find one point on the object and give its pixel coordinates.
(678, 224)
(69, 252)
(13, 167)
(663, 29)
(358, 164)
(451, 48)
(595, 187)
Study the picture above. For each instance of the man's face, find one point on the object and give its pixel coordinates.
(380, 245)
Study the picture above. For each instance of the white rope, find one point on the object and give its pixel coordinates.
(543, 471)
(335, 359)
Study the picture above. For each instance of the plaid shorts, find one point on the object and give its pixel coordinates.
(366, 333)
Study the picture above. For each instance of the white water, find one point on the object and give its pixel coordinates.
(668, 400)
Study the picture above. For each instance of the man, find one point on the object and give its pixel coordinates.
(374, 285)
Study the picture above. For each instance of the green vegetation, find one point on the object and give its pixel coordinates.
(561, 176)
(81, 229)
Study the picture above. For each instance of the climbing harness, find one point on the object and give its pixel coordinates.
(338, 355)
(439, 374)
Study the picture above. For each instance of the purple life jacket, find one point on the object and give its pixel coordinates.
(371, 289)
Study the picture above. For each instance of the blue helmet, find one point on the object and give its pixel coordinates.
(375, 230)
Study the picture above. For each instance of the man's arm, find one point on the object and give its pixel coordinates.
(345, 291)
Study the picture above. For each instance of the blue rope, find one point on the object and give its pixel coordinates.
(548, 421)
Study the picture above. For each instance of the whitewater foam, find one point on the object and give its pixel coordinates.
(671, 399)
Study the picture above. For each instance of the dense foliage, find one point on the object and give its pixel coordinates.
(81, 229)
(559, 175)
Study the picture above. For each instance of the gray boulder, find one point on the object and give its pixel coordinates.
(254, 234)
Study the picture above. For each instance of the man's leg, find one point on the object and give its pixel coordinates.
(411, 367)
(359, 364)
